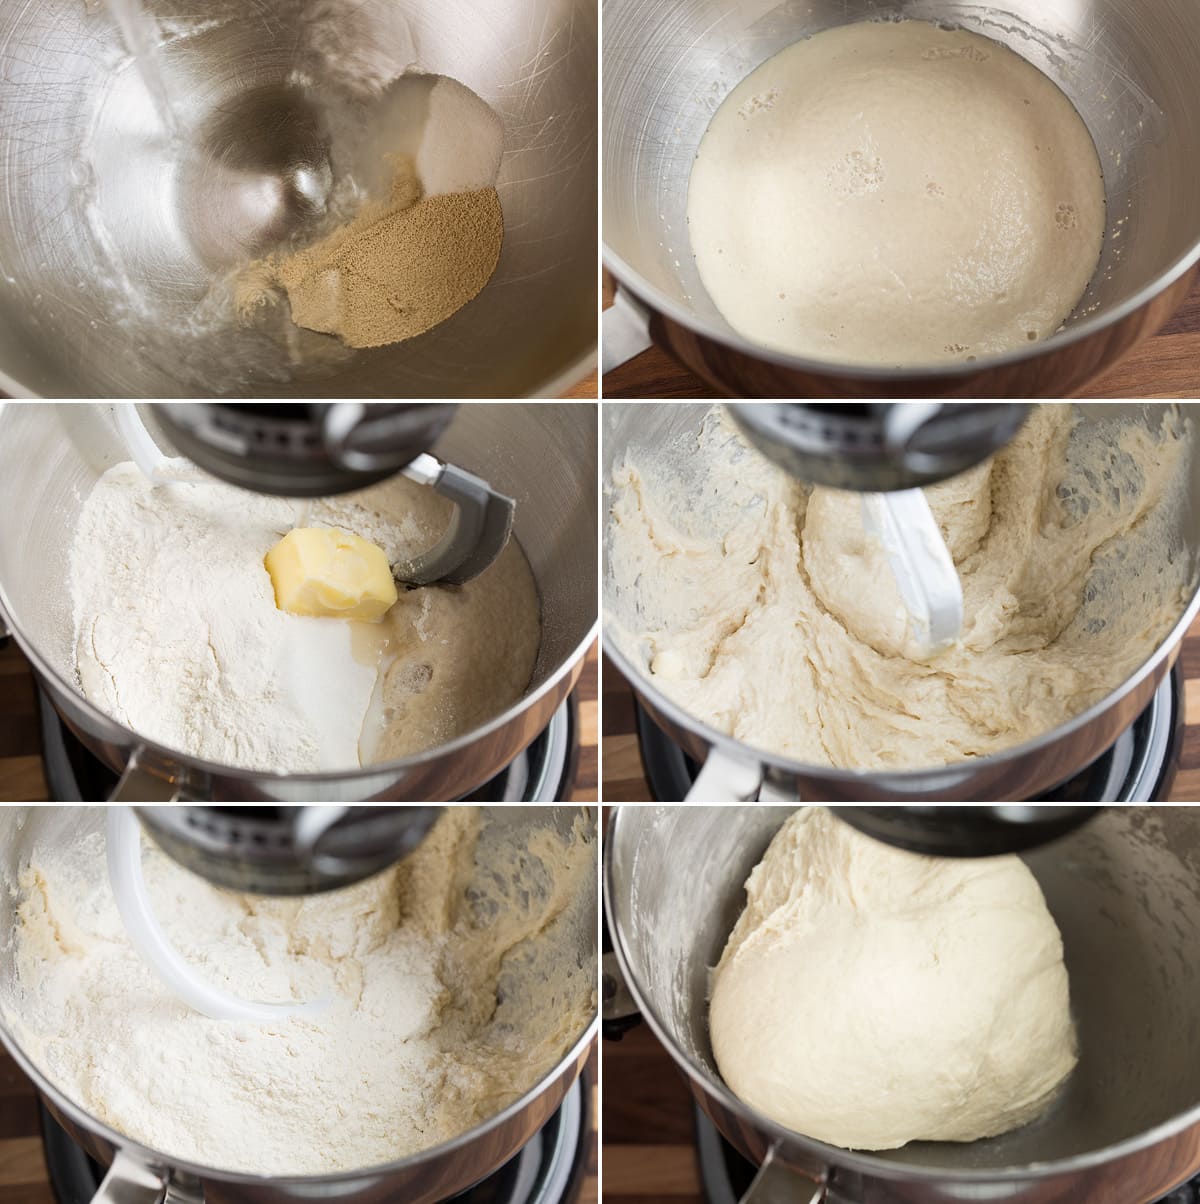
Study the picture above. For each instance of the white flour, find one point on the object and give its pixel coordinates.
(455, 982)
(178, 636)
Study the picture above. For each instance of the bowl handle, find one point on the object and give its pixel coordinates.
(726, 779)
(626, 331)
(130, 1182)
(777, 1183)
(138, 785)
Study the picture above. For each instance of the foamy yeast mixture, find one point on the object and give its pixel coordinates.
(455, 981)
(767, 612)
(896, 193)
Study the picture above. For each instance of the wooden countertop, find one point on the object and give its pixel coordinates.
(23, 1177)
(649, 1155)
(587, 389)
(1167, 365)
(624, 781)
(21, 777)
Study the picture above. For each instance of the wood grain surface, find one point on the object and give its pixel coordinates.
(624, 781)
(21, 778)
(587, 389)
(1168, 365)
(23, 1176)
(648, 1152)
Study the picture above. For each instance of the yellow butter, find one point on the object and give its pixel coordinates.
(328, 572)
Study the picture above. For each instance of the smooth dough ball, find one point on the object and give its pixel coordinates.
(869, 997)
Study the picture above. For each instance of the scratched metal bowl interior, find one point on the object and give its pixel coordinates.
(1128, 67)
(117, 229)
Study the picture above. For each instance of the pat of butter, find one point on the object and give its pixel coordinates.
(327, 572)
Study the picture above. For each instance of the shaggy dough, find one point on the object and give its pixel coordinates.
(768, 614)
(896, 194)
(952, 1017)
(455, 978)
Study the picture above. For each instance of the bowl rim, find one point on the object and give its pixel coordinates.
(155, 1158)
(194, 764)
(551, 387)
(940, 373)
(914, 779)
(918, 777)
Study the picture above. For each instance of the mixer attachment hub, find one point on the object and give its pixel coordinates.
(287, 850)
(967, 831)
(303, 449)
(878, 446)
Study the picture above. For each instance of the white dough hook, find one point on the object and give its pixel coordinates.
(124, 847)
(921, 565)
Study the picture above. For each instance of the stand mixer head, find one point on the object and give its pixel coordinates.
(877, 447)
(319, 448)
(966, 831)
(287, 850)
(308, 449)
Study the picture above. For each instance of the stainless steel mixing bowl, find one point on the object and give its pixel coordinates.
(1125, 892)
(740, 771)
(140, 1174)
(1128, 68)
(541, 454)
(112, 235)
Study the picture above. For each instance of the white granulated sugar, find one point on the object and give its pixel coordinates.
(462, 142)
(455, 138)
(178, 636)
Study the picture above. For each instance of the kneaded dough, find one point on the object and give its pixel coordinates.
(766, 612)
(869, 997)
(896, 193)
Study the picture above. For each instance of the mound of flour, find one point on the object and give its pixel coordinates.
(455, 979)
(177, 635)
